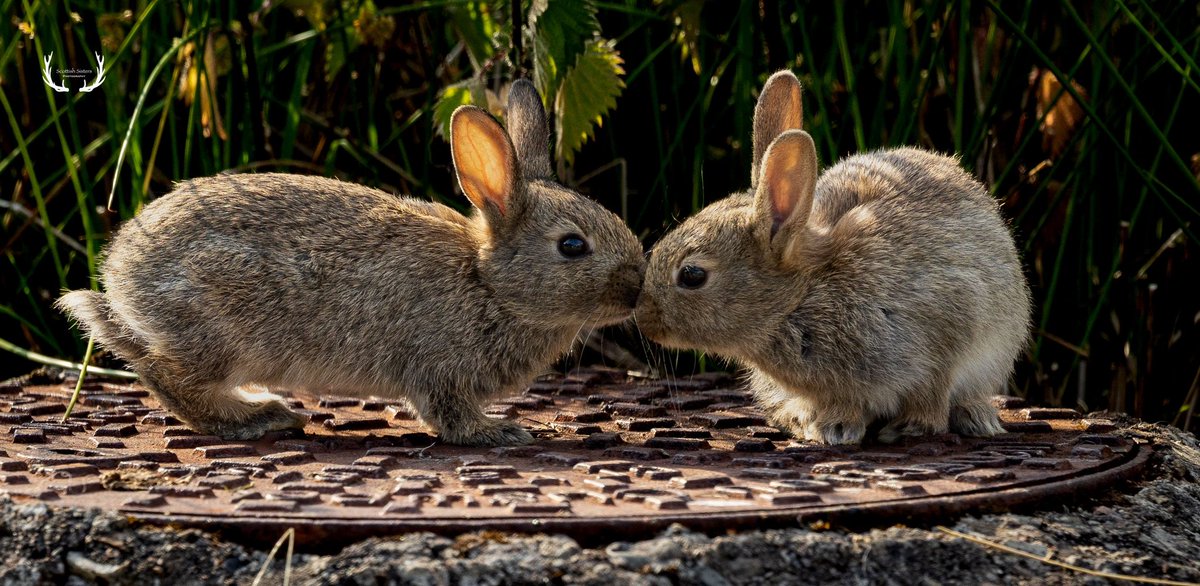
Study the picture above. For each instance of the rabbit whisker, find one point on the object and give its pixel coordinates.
(650, 358)
(580, 344)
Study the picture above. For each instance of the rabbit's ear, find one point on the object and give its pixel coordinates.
(527, 126)
(784, 195)
(779, 109)
(484, 161)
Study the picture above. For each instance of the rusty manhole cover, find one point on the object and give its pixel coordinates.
(615, 457)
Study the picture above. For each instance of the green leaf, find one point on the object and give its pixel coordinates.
(561, 31)
(468, 92)
(452, 97)
(477, 28)
(589, 90)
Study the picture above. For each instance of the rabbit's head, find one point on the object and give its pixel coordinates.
(723, 278)
(551, 256)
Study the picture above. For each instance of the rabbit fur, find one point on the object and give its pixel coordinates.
(233, 284)
(888, 290)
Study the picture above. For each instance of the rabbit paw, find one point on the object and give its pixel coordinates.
(265, 417)
(790, 416)
(489, 433)
(836, 432)
(907, 428)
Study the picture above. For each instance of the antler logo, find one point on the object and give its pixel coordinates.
(99, 75)
(67, 73)
(46, 75)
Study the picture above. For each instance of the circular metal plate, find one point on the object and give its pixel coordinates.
(615, 457)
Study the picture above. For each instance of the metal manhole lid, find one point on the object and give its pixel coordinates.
(615, 457)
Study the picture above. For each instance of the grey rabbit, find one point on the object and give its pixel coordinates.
(886, 289)
(231, 285)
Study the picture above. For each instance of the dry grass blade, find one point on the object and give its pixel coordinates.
(175, 46)
(1048, 560)
(290, 537)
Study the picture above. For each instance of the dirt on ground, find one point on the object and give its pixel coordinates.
(1149, 528)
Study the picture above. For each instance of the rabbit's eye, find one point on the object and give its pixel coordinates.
(692, 277)
(572, 246)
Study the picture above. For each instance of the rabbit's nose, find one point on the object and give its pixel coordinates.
(630, 278)
(632, 294)
(631, 272)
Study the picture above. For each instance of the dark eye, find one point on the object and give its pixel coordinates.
(572, 246)
(692, 277)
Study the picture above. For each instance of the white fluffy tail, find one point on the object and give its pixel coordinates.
(92, 312)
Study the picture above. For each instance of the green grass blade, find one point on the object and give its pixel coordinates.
(51, 361)
(175, 46)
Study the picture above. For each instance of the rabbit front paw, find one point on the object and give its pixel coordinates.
(836, 432)
(791, 416)
(488, 432)
(797, 417)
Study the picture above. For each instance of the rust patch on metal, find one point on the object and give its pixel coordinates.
(615, 457)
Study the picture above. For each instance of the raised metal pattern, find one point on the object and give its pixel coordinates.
(612, 452)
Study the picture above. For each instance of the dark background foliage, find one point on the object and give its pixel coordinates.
(1079, 116)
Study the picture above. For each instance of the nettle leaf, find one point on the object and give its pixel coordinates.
(589, 90)
(561, 31)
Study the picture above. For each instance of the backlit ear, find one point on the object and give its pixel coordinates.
(526, 121)
(779, 109)
(484, 160)
(784, 194)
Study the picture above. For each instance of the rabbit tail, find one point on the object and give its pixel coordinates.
(94, 315)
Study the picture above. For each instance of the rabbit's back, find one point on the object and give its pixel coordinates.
(263, 208)
(903, 188)
(913, 212)
(294, 272)
(918, 257)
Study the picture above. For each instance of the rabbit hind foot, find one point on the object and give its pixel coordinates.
(215, 408)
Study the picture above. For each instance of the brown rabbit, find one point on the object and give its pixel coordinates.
(235, 283)
(889, 289)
